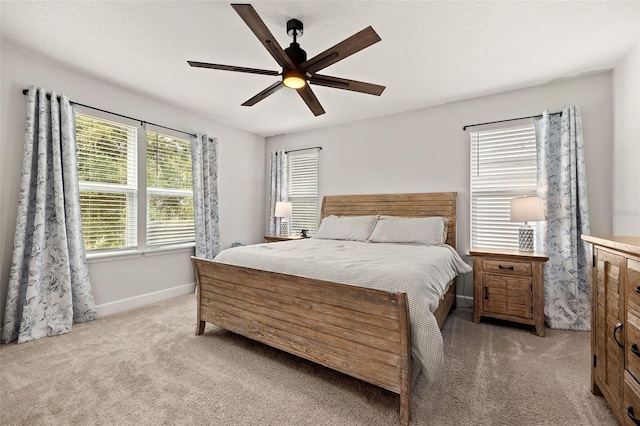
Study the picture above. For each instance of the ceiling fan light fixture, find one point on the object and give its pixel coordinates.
(294, 79)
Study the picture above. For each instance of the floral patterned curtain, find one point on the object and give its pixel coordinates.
(49, 287)
(562, 187)
(204, 154)
(278, 189)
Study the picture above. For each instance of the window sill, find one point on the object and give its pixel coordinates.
(111, 256)
(171, 249)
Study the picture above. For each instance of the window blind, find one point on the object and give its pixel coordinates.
(303, 192)
(170, 213)
(503, 167)
(107, 174)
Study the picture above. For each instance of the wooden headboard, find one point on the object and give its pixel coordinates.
(407, 205)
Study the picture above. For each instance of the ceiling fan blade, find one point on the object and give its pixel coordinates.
(345, 84)
(231, 68)
(266, 92)
(257, 25)
(345, 48)
(310, 99)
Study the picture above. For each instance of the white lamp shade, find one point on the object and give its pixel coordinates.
(524, 209)
(283, 209)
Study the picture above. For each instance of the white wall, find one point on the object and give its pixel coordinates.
(426, 150)
(127, 282)
(626, 173)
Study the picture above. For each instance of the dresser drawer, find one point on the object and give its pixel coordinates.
(632, 345)
(632, 291)
(631, 407)
(506, 266)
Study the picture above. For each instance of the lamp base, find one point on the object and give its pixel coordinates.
(284, 228)
(525, 238)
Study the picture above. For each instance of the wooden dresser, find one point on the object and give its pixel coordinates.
(615, 324)
(509, 285)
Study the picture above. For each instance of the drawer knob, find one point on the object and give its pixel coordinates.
(508, 268)
(632, 416)
(615, 337)
(634, 349)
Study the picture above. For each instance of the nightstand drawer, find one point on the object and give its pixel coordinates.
(507, 266)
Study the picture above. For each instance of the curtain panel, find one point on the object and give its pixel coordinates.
(278, 189)
(204, 155)
(562, 187)
(49, 287)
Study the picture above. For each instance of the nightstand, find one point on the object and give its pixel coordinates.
(275, 238)
(509, 285)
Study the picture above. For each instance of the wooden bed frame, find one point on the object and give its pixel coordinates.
(362, 332)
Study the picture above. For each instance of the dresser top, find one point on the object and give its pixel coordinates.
(622, 243)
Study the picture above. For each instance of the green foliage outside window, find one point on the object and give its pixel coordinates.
(168, 162)
(102, 151)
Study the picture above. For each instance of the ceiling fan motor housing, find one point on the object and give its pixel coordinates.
(294, 52)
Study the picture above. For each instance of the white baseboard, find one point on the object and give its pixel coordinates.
(464, 301)
(144, 299)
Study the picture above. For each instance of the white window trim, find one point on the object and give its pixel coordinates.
(141, 249)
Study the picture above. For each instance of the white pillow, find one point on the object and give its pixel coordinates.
(353, 228)
(415, 230)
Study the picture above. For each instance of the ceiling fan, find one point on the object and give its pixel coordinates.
(297, 71)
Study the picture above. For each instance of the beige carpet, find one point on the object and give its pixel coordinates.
(147, 367)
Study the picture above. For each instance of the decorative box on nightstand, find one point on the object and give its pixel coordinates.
(509, 285)
(275, 238)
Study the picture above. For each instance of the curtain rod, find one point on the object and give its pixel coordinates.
(304, 149)
(25, 91)
(509, 119)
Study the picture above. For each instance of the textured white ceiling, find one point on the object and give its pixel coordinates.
(432, 52)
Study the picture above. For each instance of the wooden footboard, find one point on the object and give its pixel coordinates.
(362, 332)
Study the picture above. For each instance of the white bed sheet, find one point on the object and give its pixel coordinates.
(422, 272)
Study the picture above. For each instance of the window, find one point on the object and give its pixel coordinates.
(169, 190)
(303, 192)
(107, 174)
(111, 184)
(503, 166)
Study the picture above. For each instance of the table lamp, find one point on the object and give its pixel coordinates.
(524, 209)
(283, 211)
